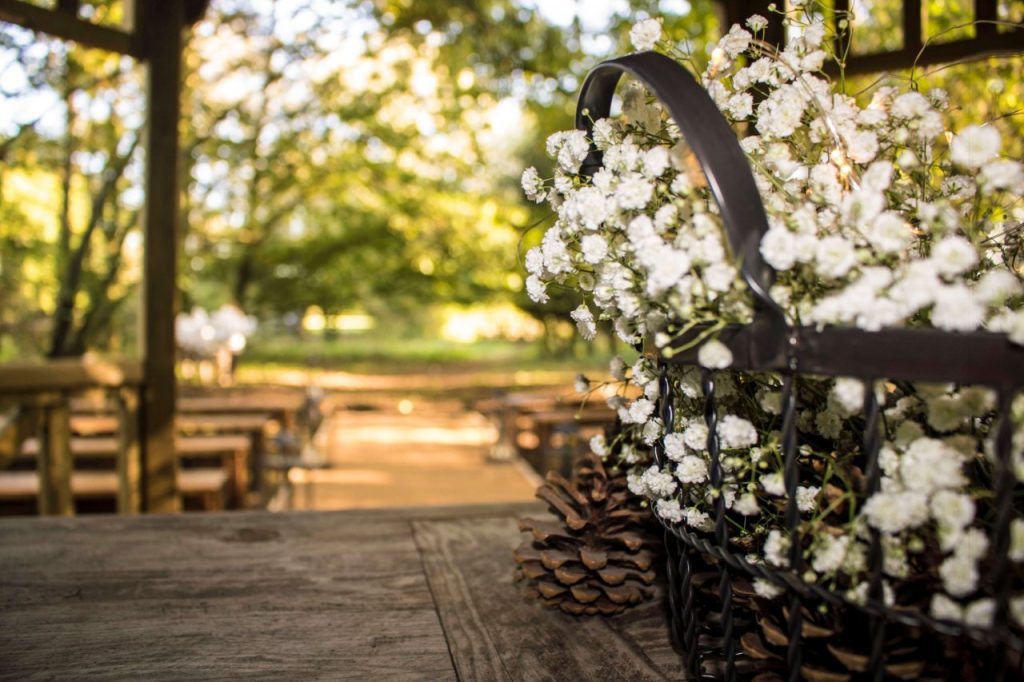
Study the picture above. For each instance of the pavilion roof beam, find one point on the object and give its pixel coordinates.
(68, 26)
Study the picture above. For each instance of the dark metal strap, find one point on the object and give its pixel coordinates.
(713, 143)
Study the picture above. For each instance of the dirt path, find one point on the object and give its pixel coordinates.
(434, 455)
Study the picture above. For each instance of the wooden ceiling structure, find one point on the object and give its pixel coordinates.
(153, 34)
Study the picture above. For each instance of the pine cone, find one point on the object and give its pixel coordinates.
(599, 555)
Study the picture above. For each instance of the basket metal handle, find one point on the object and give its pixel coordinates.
(717, 150)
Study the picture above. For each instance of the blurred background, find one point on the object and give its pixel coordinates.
(353, 225)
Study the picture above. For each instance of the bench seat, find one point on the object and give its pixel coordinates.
(208, 484)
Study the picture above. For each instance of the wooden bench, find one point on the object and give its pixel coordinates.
(244, 422)
(206, 484)
(232, 449)
(527, 423)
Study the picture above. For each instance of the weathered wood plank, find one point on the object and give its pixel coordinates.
(298, 596)
(495, 632)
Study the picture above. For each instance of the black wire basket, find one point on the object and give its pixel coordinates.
(709, 620)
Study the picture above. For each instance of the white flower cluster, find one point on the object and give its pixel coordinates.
(879, 216)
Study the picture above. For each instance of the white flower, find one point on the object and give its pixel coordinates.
(834, 257)
(747, 505)
(599, 446)
(959, 575)
(645, 34)
(573, 150)
(956, 309)
(536, 289)
(975, 146)
(778, 247)
(533, 186)
(698, 519)
(651, 432)
(657, 483)
(692, 469)
(719, 277)
(776, 549)
(669, 510)
(639, 411)
(755, 22)
(829, 553)
(584, 322)
(995, 286)
(634, 191)
(980, 613)
(696, 436)
(806, 498)
(594, 248)
(666, 217)
(893, 512)
(654, 162)
(774, 484)
(910, 105)
(929, 465)
(849, 395)
(828, 424)
(714, 355)
(861, 146)
(972, 544)
(1003, 174)
(736, 432)
(740, 106)
(953, 255)
(604, 134)
(735, 41)
(675, 447)
(1017, 540)
(889, 232)
(765, 589)
(951, 509)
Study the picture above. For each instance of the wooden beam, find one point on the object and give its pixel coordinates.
(986, 12)
(129, 475)
(67, 374)
(913, 22)
(54, 461)
(159, 24)
(69, 27)
(1001, 44)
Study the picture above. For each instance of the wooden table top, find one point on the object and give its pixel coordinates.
(415, 594)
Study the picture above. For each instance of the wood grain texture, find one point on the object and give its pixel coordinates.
(393, 594)
(298, 596)
(497, 632)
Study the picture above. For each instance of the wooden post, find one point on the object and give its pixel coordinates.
(159, 27)
(129, 475)
(54, 459)
(914, 21)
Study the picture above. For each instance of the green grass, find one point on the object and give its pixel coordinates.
(368, 354)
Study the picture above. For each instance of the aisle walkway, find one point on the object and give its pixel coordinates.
(434, 455)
